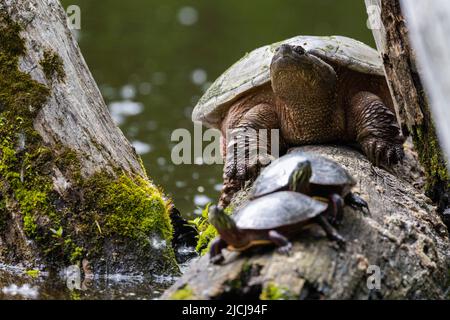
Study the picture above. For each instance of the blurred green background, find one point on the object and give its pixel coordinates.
(154, 59)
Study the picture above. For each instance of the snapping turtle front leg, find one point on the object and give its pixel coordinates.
(247, 147)
(376, 129)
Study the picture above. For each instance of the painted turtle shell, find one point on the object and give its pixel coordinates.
(277, 210)
(325, 173)
(253, 70)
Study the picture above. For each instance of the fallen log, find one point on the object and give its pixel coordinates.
(400, 251)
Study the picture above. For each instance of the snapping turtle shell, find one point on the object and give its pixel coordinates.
(253, 70)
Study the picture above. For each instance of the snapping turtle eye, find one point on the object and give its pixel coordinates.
(299, 50)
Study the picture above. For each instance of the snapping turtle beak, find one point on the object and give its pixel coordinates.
(287, 50)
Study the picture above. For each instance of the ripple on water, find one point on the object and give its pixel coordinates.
(26, 291)
(128, 92)
(202, 200)
(120, 110)
(187, 16)
(145, 88)
(158, 243)
(199, 77)
(141, 147)
(15, 284)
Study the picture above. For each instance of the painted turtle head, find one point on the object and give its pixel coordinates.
(220, 220)
(300, 177)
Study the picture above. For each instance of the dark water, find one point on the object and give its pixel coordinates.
(153, 60)
(16, 284)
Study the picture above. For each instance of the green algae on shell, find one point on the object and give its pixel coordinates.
(253, 71)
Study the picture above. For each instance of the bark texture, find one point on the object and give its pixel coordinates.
(411, 60)
(404, 237)
(71, 186)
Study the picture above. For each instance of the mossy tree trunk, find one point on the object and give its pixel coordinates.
(71, 185)
(410, 49)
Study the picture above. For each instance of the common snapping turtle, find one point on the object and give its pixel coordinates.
(271, 219)
(314, 90)
(311, 174)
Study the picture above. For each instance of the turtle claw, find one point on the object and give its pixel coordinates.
(245, 155)
(284, 245)
(217, 259)
(285, 250)
(381, 152)
(357, 203)
(229, 189)
(251, 168)
(331, 232)
(341, 242)
(230, 169)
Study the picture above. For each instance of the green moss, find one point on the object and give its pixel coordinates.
(32, 273)
(135, 208)
(24, 179)
(10, 40)
(75, 295)
(206, 231)
(74, 252)
(184, 293)
(67, 161)
(205, 238)
(272, 292)
(234, 285)
(432, 159)
(53, 66)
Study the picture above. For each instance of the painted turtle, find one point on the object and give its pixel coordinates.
(313, 175)
(271, 219)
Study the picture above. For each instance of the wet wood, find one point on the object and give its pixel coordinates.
(416, 70)
(429, 32)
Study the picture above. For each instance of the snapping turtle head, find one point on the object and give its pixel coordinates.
(296, 72)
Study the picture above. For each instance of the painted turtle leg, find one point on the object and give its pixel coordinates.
(357, 203)
(376, 129)
(336, 208)
(215, 251)
(284, 245)
(331, 232)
